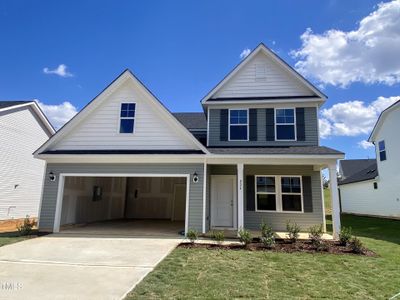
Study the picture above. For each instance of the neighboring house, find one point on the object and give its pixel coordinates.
(252, 156)
(23, 128)
(372, 187)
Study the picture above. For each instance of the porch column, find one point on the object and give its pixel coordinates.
(334, 200)
(240, 197)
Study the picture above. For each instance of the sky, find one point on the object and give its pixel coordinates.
(63, 53)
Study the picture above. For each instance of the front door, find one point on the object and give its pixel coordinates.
(223, 201)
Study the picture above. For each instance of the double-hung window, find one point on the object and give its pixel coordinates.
(278, 193)
(127, 118)
(285, 124)
(382, 150)
(238, 124)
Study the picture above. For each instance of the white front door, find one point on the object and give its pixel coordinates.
(223, 201)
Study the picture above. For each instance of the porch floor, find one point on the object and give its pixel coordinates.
(128, 228)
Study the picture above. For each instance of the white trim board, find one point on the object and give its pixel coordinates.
(61, 183)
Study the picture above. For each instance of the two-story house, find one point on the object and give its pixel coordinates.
(373, 188)
(253, 155)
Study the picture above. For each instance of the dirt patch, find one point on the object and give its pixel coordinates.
(331, 247)
(11, 225)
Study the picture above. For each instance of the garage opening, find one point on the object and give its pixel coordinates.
(124, 205)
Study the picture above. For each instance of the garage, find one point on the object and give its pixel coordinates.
(134, 205)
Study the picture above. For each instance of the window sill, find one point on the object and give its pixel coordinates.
(278, 212)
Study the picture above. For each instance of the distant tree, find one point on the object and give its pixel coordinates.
(325, 181)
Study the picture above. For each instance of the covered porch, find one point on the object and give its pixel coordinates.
(245, 192)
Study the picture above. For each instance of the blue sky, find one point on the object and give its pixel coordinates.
(181, 49)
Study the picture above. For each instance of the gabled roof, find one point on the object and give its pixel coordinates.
(262, 48)
(95, 102)
(192, 120)
(381, 118)
(349, 167)
(10, 105)
(367, 173)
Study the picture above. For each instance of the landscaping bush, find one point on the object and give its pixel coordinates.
(192, 235)
(315, 235)
(356, 245)
(293, 231)
(218, 236)
(26, 227)
(245, 236)
(345, 236)
(267, 235)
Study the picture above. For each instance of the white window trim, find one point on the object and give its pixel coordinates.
(126, 118)
(279, 193)
(384, 150)
(276, 124)
(229, 125)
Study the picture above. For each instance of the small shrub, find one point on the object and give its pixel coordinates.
(26, 227)
(192, 235)
(245, 236)
(345, 236)
(218, 236)
(293, 231)
(267, 235)
(315, 235)
(356, 245)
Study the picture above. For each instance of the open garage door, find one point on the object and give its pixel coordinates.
(132, 204)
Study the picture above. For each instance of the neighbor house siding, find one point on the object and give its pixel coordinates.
(21, 133)
(311, 130)
(277, 220)
(277, 81)
(195, 194)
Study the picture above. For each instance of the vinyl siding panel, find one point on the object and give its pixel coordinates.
(277, 220)
(195, 195)
(21, 133)
(311, 130)
(277, 82)
(100, 129)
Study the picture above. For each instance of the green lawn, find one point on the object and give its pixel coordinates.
(10, 238)
(206, 274)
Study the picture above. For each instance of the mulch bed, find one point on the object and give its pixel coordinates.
(332, 247)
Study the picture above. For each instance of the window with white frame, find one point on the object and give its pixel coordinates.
(238, 124)
(382, 150)
(285, 124)
(278, 193)
(127, 118)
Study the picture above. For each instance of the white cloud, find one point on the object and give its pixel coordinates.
(58, 114)
(61, 70)
(352, 118)
(368, 54)
(244, 53)
(365, 144)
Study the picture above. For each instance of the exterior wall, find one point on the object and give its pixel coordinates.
(49, 199)
(361, 198)
(311, 130)
(21, 133)
(100, 129)
(277, 220)
(278, 82)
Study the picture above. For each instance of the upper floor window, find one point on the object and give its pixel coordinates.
(238, 125)
(382, 150)
(127, 118)
(285, 124)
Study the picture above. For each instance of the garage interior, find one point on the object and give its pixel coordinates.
(124, 205)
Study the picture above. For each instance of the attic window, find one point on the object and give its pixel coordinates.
(261, 72)
(127, 118)
(382, 150)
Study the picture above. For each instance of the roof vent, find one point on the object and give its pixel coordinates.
(261, 72)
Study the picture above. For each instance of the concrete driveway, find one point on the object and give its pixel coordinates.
(78, 267)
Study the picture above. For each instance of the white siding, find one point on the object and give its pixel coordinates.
(361, 198)
(20, 174)
(277, 82)
(100, 129)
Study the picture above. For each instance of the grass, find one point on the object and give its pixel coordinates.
(219, 274)
(11, 238)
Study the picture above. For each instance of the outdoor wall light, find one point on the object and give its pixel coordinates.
(52, 176)
(195, 178)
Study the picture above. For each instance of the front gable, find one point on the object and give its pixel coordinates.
(96, 127)
(262, 74)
